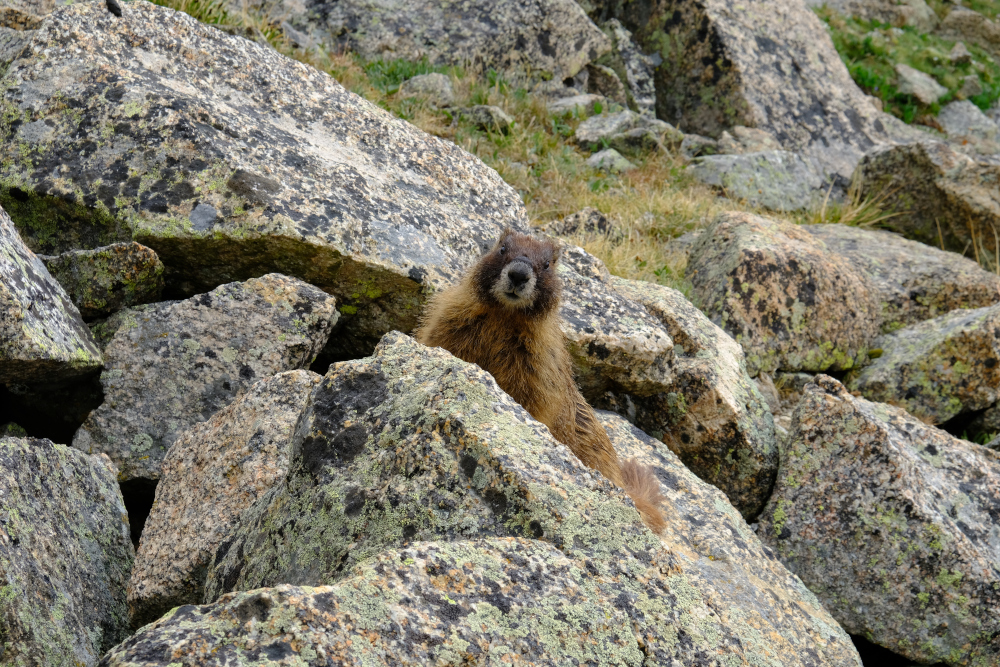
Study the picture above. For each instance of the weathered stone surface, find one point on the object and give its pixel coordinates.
(604, 81)
(940, 197)
(173, 365)
(960, 54)
(225, 464)
(910, 13)
(616, 345)
(435, 87)
(445, 455)
(938, 368)
(892, 524)
(920, 85)
(11, 42)
(971, 26)
(578, 104)
(965, 123)
(739, 140)
(487, 117)
(637, 67)
(915, 281)
(762, 63)
(549, 39)
(777, 180)
(626, 132)
(609, 160)
(783, 297)
(65, 555)
(105, 280)
(232, 161)
(587, 220)
(711, 414)
(695, 145)
(42, 337)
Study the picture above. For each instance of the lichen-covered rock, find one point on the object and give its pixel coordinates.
(915, 282)
(173, 365)
(767, 64)
(225, 464)
(487, 117)
(42, 338)
(609, 160)
(778, 180)
(626, 132)
(413, 445)
(65, 555)
(604, 81)
(938, 368)
(637, 67)
(969, 130)
(938, 196)
(435, 87)
(893, 524)
(912, 13)
(546, 39)
(918, 84)
(783, 297)
(616, 345)
(739, 140)
(972, 26)
(583, 104)
(103, 281)
(711, 413)
(231, 161)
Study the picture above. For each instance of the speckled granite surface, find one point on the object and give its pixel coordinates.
(893, 524)
(172, 365)
(65, 555)
(42, 337)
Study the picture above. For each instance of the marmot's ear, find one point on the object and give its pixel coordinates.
(556, 252)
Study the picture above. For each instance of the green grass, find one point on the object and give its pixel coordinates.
(871, 50)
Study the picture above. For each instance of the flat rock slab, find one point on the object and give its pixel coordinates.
(65, 554)
(42, 338)
(893, 524)
(232, 161)
(225, 464)
(768, 64)
(939, 197)
(915, 282)
(548, 39)
(789, 302)
(777, 180)
(413, 445)
(711, 414)
(938, 368)
(105, 280)
(170, 366)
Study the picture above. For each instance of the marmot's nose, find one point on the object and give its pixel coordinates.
(519, 273)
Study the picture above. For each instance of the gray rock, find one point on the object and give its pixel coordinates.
(638, 68)
(695, 145)
(173, 365)
(42, 338)
(915, 282)
(579, 104)
(789, 302)
(780, 73)
(435, 87)
(446, 456)
(609, 160)
(487, 117)
(739, 140)
(938, 196)
(938, 368)
(65, 554)
(261, 164)
(225, 464)
(892, 524)
(548, 39)
(605, 82)
(910, 13)
(587, 221)
(583, 263)
(971, 86)
(626, 132)
(777, 180)
(965, 122)
(960, 54)
(711, 413)
(971, 26)
(12, 42)
(920, 85)
(105, 280)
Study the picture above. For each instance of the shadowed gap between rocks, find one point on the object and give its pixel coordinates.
(873, 655)
(138, 495)
(46, 411)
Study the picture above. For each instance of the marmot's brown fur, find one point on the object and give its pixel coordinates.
(504, 317)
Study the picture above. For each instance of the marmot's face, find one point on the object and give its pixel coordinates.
(519, 273)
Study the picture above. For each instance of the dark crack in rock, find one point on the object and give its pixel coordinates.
(42, 338)
(170, 366)
(65, 554)
(893, 524)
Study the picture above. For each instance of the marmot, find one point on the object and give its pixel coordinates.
(504, 317)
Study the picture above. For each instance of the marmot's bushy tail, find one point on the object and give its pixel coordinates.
(642, 486)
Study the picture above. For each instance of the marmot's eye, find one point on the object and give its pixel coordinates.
(503, 249)
(546, 265)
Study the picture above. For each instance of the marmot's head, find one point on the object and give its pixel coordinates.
(519, 274)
